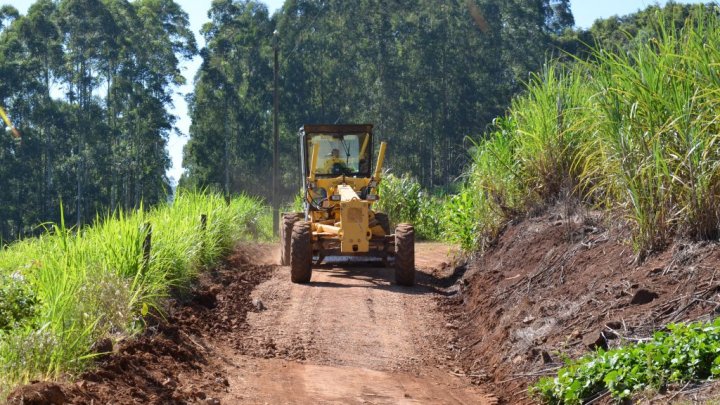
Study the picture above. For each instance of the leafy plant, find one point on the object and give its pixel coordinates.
(17, 301)
(686, 352)
(404, 200)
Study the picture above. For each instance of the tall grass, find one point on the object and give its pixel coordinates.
(82, 285)
(635, 133)
(492, 191)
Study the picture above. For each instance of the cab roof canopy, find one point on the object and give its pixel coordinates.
(336, 129)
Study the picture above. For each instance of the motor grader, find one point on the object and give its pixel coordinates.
(339, 189)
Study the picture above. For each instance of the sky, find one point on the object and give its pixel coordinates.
(584, 11)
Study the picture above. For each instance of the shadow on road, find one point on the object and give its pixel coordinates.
(374, 273)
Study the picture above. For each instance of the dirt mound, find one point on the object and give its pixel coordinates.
(173, 361)
(557, 286)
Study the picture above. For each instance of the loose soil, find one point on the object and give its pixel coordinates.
(561, 285)
(248, 335)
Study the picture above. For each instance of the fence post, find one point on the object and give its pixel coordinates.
(147, 243)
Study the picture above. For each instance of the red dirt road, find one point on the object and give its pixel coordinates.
(247, 335)
(351, 337)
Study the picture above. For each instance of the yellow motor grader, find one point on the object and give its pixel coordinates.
(339, 189)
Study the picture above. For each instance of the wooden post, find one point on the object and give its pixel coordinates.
(203, 228)
(147, 243)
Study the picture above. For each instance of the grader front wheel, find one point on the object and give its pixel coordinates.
(286, 227)
(301, 252)
(405, 255)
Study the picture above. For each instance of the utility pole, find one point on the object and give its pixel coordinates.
(275, 202)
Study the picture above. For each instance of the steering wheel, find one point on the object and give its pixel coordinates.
(340, 168)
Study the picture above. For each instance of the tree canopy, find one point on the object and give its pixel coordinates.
(426, 74)
(88, 83)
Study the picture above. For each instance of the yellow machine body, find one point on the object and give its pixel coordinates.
(339, 203)
(339, 190)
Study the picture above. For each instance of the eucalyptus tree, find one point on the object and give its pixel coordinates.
(158, 37)
(43, 54)
(229, 146)
(89, 84)
(427, 74)
(88, 30)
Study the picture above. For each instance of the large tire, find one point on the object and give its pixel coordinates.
(286, 226)
(384, 221)
(405, 255)
(301, 252)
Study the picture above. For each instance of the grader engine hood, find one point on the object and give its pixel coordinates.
(354, 214)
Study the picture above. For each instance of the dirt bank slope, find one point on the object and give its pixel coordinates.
(558, 285)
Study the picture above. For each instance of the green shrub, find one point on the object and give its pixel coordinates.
(404, 200)
(687, 352)
(17, 301)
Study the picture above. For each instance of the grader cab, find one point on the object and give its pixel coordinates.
(339, 189)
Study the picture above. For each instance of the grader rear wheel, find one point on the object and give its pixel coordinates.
(301, 252)
(405, 255)
(384, 221)
(286, 226)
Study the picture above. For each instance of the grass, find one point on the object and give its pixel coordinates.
(68, 288)
(634, 133)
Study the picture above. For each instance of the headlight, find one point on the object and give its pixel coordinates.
(373, 197)
(372, 184)
(335, 197)
(312, 185)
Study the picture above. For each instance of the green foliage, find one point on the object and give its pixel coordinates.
(464, 220)
(657, 133)
(68, 288)
(425, 75)
(229, 147)
(475, 215)
(629, 132)
(101, 144)
(687, 352)
(17, 301)
(404, 200)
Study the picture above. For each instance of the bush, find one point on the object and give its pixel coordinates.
(687, 352)
(17, 301)
(404, 200)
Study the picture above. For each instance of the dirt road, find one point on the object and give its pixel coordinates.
(351, 336)
(247, 335)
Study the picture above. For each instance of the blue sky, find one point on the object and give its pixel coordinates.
(585, 12)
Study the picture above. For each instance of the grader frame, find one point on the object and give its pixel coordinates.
(338, 197)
